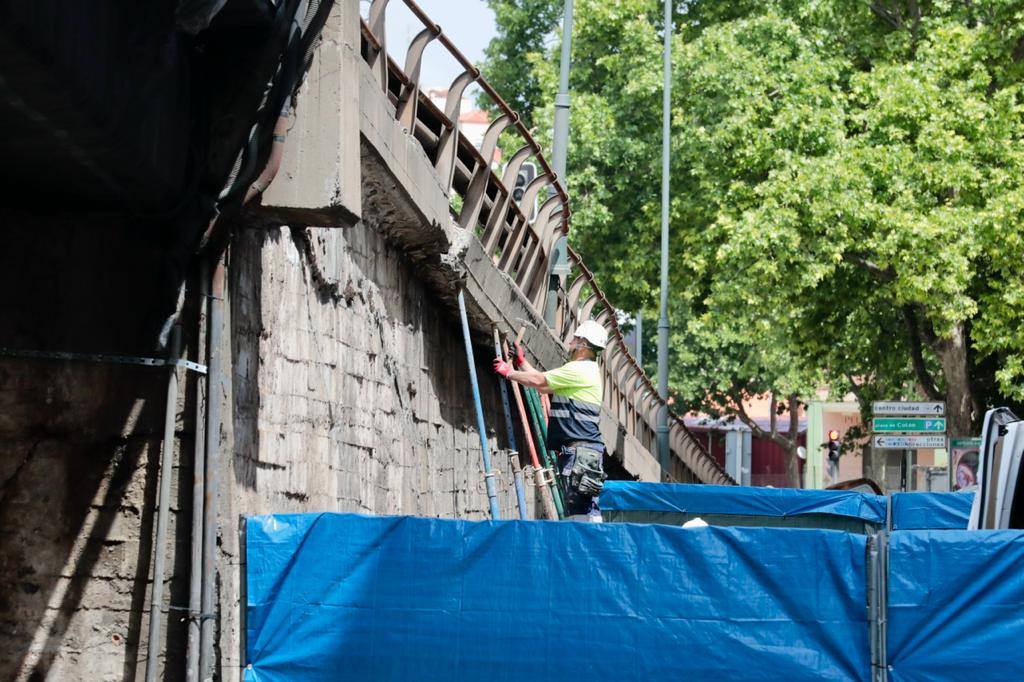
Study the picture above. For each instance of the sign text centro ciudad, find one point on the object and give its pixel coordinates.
(929, 409)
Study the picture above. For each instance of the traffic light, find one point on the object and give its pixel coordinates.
(835, 447)
(527, 172)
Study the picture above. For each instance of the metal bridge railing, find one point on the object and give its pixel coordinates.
(482, 201)
(628, 391)
(520, 248)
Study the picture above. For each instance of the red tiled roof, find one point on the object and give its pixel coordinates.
(474, 116)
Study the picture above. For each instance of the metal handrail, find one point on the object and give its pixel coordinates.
(493, 94)
(518, 247)
(627, 385)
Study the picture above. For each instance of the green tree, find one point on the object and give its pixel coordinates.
(525, 30)
(847, 193)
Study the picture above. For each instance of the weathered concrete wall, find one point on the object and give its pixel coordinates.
(350, 391)
(79, 449)
(350, 386)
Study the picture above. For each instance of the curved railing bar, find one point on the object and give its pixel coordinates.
(473, 203)
(409, 96)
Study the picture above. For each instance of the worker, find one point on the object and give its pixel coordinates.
(574, 428)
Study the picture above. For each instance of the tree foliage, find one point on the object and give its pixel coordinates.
(847, 192)
(513, 57)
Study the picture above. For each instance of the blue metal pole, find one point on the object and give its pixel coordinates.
(492, 496)
(517, 476)
(517, 472)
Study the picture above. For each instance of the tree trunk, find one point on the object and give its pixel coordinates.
(793, 466)
(788, 445)
(873, 466)
(962, 408)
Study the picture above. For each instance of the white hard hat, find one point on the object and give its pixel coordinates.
(594, 333)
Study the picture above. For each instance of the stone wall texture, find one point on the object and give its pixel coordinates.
(79, 452)
(348, 391)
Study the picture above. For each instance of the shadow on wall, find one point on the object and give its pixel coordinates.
(79, 451)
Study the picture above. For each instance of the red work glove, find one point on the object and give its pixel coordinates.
(520, 358)
(502, 367)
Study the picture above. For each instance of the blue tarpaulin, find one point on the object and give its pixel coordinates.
(924, 511)
(740, 500)
(337, 596)
(956, 605)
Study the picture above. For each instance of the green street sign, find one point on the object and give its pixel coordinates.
(908, 425)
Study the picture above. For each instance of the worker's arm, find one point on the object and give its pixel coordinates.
(520, 362)
(527, 376)
(531, 378)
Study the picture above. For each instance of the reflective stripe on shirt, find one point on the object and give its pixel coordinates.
(573, 420)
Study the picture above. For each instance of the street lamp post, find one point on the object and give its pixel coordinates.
(560, 148)
(662, 430)
(559, 153)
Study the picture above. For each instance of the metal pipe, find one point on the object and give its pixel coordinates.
(884, 608)
(214, 393)
(166, 471)
(281, 128)
(538, 413)
(551, 463)
(546, 493)
(640, 338)
(666, 143)
(517, 477)
(198, 483)
(492, 496)
(872, 585)
(517, 471)
(520, 485)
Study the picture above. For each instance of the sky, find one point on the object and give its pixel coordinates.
(468, 23)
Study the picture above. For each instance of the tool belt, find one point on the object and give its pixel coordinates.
(587, 475)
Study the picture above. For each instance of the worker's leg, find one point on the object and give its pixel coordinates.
(575, 502)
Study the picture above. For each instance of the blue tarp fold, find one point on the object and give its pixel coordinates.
(740, 500)
(956, 605)
(337, 596)
(931, 511)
